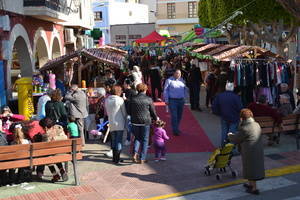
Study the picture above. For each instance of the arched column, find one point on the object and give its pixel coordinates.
(41, 48)
(56, 47)
(20, 41)
(56, 51)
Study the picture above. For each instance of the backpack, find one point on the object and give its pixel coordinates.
(3, 141)
(53, 113)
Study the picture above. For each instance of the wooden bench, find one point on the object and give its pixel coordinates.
(42, 153)
(289, 123)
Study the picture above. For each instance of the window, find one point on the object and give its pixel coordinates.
(171, 10)
(120, 37)
(192, 12)
(134, 37)
(98, 16)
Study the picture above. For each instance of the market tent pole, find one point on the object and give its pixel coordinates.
(79, 70)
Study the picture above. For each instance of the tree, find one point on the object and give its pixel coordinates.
(292, 6)
(263, 19)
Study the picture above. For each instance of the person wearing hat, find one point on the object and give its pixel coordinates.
(227, 105)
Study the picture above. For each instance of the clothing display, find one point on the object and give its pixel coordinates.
(259, 77)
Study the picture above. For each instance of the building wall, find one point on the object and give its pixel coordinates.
(83, 18)
(181, 23)
(152, 9)
(30, 37)
(104, 24)
(119, 12)
(13, 6)
(128, 13)
(176, 29)
(130, 30)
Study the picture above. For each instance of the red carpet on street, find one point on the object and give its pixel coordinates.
(193, 137)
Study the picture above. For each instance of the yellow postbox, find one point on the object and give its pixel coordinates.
(25, 98)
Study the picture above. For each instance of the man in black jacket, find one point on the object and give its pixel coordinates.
(155, 79)
(142, 112)
(194, 83)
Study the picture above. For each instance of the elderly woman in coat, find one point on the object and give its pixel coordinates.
(249, 139)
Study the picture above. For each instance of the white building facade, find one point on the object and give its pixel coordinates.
(113, 12)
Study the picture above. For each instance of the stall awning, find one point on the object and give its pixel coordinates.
(229, 52)
(153, 37)
(108, 55)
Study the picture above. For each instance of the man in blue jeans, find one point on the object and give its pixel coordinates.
(228, 105)
(175, 92)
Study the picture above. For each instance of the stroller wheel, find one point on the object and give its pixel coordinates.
(218, 177)
(222, 169)
(234, 174)
(207, 172)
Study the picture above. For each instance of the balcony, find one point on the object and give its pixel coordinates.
(49, 10)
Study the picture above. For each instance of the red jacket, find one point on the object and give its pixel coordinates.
(260, 110)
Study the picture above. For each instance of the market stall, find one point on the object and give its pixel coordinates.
(84, 67)
(153, 37)
(253, 70)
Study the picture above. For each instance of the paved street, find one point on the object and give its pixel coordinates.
(182, 172)
(279, 188)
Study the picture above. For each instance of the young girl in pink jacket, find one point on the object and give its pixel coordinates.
(159, 138)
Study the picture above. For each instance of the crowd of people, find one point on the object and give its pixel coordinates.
(127, 103)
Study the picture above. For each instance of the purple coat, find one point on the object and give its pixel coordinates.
(160, 135)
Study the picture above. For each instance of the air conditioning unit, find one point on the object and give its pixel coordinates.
(6, 48)
(69, 36)
(5, 23)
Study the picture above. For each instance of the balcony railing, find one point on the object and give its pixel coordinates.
(57, 5)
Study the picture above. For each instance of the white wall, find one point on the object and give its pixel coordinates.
(15, 6)
(87, 15)
(152, 9)
(119, 13)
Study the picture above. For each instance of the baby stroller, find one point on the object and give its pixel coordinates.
(220, 160)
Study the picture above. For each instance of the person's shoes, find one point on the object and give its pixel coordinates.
(250, 191)
(247, 186)
(127, 143)
(64, 175)
(135, 158)
(163, 158)
(199, 109)
(40, 175)
(143, 161)
(156, 160)
(159, 100)
(55, 178)
(118, 159)
(109, 154)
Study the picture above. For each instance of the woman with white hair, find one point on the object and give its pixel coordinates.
(137, 75)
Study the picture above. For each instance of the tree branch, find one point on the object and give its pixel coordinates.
(292, 6)
(292, 31)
